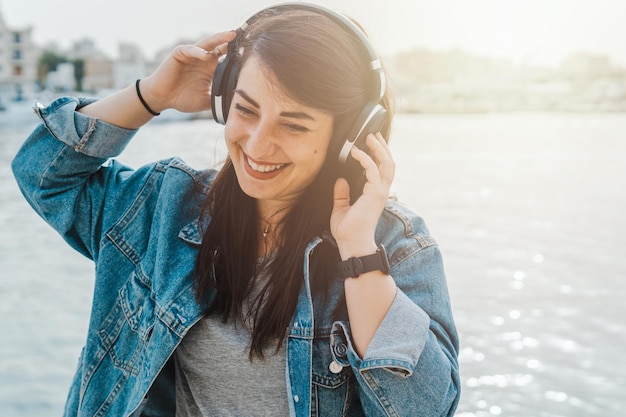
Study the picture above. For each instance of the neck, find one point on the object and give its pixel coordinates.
(271, 211)
(267, 241)
(270, 216)
(269, 224)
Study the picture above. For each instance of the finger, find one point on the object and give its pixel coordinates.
(219, 50)
(385, 144)
(382, 156)
(193, 52)
(378, 148)
(341, 194)
(363, 158)
(217, 40)
(372, 173)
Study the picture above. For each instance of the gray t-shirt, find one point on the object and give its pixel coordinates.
(214, 376)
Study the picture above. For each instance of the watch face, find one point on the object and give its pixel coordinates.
(384, 259)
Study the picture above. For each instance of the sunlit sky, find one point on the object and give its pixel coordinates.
(529, 31)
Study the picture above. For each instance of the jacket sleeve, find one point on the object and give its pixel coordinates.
(60, 171)
(411, 365)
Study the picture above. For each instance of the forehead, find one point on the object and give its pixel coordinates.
(262, 86)
(256, 78)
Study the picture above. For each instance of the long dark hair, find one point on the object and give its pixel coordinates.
(321, 65)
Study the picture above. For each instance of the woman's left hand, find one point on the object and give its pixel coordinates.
(183, 80)
(353, 226)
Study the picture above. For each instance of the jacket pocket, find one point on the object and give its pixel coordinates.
(333, 384)
(128, 326)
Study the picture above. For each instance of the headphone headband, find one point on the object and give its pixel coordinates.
(341, 20)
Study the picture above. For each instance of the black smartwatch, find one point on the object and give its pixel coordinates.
(353, 267)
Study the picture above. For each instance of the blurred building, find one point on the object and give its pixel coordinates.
(97, 66)
(585, 66)
(458, 82)
(129, 66)
(98, 74)
(18, 62)
(62, 79)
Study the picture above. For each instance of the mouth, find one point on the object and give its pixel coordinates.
(263, 168)
(262, 171)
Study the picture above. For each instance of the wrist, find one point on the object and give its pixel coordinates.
(355, 249)
(356, 266)
(152, 101)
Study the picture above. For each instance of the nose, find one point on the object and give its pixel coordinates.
(260, 140)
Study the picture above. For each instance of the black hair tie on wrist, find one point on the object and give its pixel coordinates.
(152, 112)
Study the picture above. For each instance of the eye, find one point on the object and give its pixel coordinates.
(294, 127)
(244, 111)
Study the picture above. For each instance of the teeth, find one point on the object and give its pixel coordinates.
(264, 168)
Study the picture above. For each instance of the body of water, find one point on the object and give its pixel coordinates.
(528, 210)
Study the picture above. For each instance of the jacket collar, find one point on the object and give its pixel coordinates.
(191, 232)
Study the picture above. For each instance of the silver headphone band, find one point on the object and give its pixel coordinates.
(340, 19)
(217, 110)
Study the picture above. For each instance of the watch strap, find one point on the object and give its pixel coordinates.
(353, 267)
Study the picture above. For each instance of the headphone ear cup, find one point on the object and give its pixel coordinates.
(229, 88)
(372, 119)
(217, 89)
(222, 88)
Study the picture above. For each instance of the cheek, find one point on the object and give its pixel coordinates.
(318, 155)
(231, 134)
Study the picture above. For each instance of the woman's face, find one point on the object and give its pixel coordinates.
(277, 145)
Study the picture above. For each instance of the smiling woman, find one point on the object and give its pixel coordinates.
(277, 145)
(265, 287)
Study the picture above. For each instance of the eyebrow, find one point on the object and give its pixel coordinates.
(291, 114)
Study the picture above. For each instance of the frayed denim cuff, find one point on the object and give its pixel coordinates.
(86, 134)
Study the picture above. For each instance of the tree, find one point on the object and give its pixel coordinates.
(48, 61)
(79, 72)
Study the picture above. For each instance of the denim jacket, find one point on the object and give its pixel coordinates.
(141, 228)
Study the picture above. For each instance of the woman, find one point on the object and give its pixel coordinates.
(265, 288)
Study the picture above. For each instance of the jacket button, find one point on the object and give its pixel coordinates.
(341, 350)
(335, 367)
(296, 398)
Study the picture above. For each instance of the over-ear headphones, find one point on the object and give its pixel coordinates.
(371, 119)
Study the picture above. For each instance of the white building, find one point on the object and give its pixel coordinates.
(130, 65)
(61, 79)
(18, 62)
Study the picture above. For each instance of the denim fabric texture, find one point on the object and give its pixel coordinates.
(141, 228)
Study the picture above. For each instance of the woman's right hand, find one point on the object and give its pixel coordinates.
(183, 80)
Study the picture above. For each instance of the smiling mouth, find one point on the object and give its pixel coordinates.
(262, 168)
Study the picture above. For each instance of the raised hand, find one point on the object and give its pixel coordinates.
(183, 80)
(353, 226)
